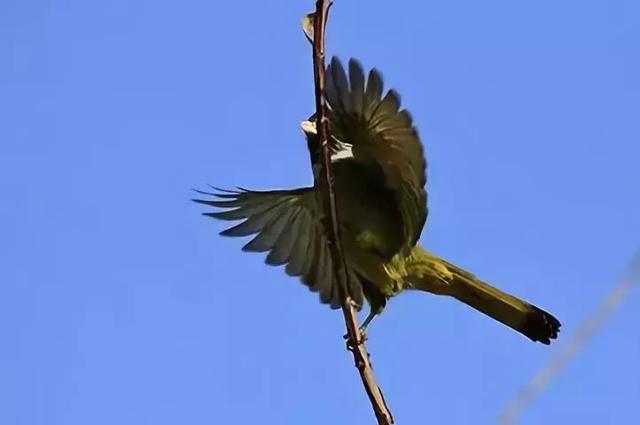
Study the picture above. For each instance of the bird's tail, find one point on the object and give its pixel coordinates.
(432, 274)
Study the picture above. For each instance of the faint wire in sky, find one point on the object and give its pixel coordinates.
(589, 327)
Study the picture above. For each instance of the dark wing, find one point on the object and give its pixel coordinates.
(287, 225)
(381, 134)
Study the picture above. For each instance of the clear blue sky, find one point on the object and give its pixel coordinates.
(119, 304)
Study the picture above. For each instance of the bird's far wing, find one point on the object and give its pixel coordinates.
(287, 224)
(381, 133)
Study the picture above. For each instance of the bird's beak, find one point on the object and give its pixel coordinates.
(308, 127)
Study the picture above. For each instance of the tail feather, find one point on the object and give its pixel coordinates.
(438, 276)
(531, 321)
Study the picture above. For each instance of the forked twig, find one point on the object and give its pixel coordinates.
(314, 27)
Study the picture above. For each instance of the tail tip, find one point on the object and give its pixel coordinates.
(541, 326)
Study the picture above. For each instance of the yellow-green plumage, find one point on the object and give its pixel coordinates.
(379, 178)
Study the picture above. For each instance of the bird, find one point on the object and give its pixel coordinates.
(379, 173)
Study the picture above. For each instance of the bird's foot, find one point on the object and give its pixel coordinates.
(361, 338)
(353, 303)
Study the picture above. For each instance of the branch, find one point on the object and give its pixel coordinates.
(314, 27)
(596, 321)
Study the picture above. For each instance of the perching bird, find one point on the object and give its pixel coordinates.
(379, 178)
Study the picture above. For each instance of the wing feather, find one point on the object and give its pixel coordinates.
(287, 225)
(382, 135)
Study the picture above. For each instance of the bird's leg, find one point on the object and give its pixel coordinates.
(377, 301)
(363, 328)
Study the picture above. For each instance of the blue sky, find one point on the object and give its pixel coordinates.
(120, 304)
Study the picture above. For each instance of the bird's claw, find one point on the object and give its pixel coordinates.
(361, 338)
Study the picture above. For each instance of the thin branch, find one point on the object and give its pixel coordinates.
(611, 303)
(314, 27)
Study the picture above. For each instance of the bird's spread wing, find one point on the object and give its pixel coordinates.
(382, 134)
(287, 224)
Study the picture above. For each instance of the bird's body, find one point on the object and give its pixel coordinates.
(379, 179)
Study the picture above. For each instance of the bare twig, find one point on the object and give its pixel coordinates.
(314, 27)
(590, 327)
